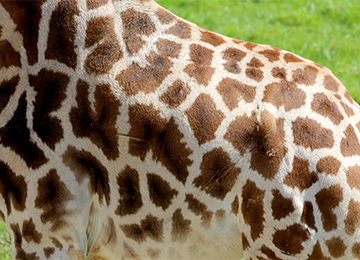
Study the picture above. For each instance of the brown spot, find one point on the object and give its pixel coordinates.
(99, 125)
(218, 174)
(268, 145)
(8, 56)
(307, 216)
(204, 118)
(16, 135)
(309, 133)
(279, 73)
(12, 188)
(211, 38)
(235, 206)
(175, 94)
(168, 48)
(30, 233)
(93, 4)
(328, 165)
(353, 177)
(233, 56)
(306, 76)
(289, 57)
(164, 16)
(56, 243)
(232, 91)
(255, 74)
(281, 206)
(61, 37)
(350, 143)
(220, 215)
(252, 208)
(199, 208)
(336, 247)
(85, 165)
(52, 198)
(269, 253)
(348, 97)
(348, 110)
(108, 52)
(153, 253)
(255, 63)
(200, 69)
(271, 55)
(110, 232)
(245, 242)
(180, 29)
(300, 176)
(331, 84)
(151, 227)
(146, 79)
(160, 191)
(7, 89)
(356, 250)
(129, 190)
(50, 87)
(162, 137)
(136, 24)
(129, 252)
(250, 45)
(285, 94)
(17, 245)
(181, 227)
(352, 221)
(2, 216)
(289, 240)
(327, 200)
(48, 251)
(323, 106)
(26, 15)
(317, 254)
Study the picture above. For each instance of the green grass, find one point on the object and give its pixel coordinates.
(325, 31)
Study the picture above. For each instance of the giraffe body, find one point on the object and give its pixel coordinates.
(129, 133)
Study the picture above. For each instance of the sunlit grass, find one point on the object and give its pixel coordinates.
(5, 246)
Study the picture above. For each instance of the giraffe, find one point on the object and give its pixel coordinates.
(127, 132)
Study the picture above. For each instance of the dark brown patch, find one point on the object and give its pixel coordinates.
(255, 74)
(50, 87)
(61, 38)
(8, 56)
(99, 125)
(101, 30)
(199, 208)
(250, 45)
(317, 254)
(151, 227)
(353, 177)
(352, 221)
(7, 89)
(85, 165)
(331, 84)
(168, 48)
(12, 188)
(255, 63)
(289, 57)
(235, 206)
(136, 24)
(323, 106)
(309, 133)
(218, 174)
(252, 208)
(146, 79)
(307, 216)
(336, 247)
(281, 206)
(328, 165)
(348, 110)
(269, 253)
(52, 198)
(300, 176)
(284, 93)
(56, 243)
(180, 29)
(289, 240)
(162, 137)
(279, 73)
(211, 38)
(175, 94)
(204, 118)
(129, 189)
(30, 233)
(233, 56)
(355, 250)
(306, 76)
(349, 145)
(165, 16)
(220, 215)
(245, 242)
(26, 15)
(16, 135)
(48, 251)
(17, 244)
(200, 69)
(2, 216)
(232, 91)
(160, 191)
(271, 55)
(181, 227)
(328, 199)
(93, 4)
